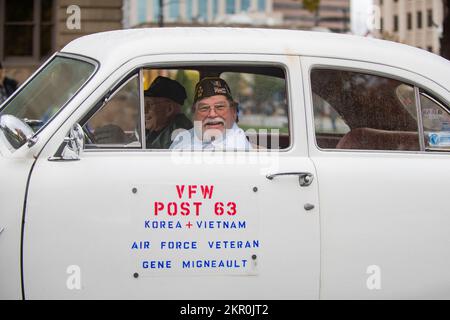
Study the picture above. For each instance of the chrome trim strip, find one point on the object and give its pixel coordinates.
(435, 101)
(142, 109)
(419, 118)
(443, 107)
(79, 57)
(443, 150)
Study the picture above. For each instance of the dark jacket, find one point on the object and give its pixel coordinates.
(10, 85)
(163, 138)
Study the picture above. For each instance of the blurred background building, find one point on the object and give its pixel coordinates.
(31, 30)
(200, 12)
(333, 15)
(414, 22)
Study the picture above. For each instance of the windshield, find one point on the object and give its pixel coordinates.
(48, 91)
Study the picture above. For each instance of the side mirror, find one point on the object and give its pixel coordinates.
(72, 146)
(15, 132)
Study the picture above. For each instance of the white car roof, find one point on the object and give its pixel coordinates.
(114, 48)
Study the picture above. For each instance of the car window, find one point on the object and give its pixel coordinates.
(186, 77)
(326, 119)
(117, 123)
(262, 100)
(256, 95)
(436, 123)
(366, 111)
(45, 95)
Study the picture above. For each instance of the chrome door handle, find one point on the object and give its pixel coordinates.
(1, 229)
(304, 178)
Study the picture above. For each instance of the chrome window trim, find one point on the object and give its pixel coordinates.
(79, 57)
(142, 109)
(434, 100)
(110, 146)
(443, 107)
(419, 118)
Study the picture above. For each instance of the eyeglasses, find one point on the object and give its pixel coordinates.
(218, 108)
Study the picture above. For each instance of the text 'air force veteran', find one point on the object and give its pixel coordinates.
(214, 115)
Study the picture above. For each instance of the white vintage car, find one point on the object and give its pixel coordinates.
(344, 193)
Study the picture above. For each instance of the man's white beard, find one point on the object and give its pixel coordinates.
(209, 135)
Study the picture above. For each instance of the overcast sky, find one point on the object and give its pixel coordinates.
(360, 14)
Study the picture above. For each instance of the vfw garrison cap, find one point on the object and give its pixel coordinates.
(208, 87)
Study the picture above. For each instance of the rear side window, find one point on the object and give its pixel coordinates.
(362, 111)
(436, 123)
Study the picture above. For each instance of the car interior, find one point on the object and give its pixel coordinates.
(259, 138)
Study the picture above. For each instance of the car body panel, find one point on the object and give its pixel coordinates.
(116, 47)
(382, 209)
(105, 202)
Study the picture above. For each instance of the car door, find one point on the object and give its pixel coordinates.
(127, 222)
(384, 216)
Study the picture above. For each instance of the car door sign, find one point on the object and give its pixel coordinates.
(196, 229)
